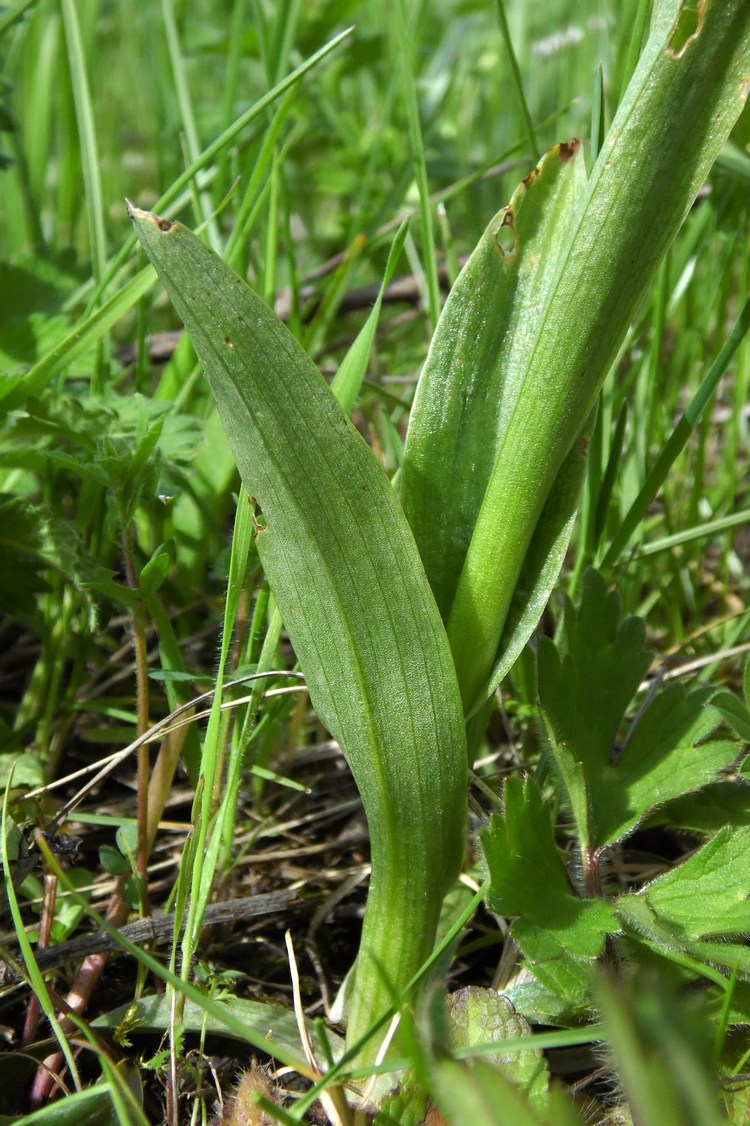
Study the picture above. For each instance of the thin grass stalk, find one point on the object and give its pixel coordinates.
(429, 260)
(678, 439)
(502, 19)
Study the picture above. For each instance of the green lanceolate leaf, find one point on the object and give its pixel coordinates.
(514, 374)
(347, 382)
(473, 376)
(349, 583)
(544, 558)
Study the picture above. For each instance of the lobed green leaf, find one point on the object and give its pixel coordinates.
(701, 907)
(529, 880)
(584, 692)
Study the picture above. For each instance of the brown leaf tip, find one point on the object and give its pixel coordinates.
(568, 149)
(137, 213)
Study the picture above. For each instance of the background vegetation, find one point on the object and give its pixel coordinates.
(119, 491)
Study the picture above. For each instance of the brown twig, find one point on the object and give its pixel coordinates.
(157, 929)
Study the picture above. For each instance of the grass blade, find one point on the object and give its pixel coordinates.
(347, 381)
(677, 439)
(15, 389)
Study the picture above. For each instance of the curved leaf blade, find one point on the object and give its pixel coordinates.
(349, 583)
(685, 95)
(473, 376)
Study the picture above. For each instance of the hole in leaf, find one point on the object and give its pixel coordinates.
(687, 27)
(505, 236)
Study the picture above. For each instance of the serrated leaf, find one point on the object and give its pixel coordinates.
(584, 692)
(701, 904)
(713, 807)
(587, 683)
(528, 880)
(32, 540)
(667, 756)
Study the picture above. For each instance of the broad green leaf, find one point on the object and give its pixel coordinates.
(529, 881)
(708, 810)
(668, 754)
(483, 506)
(584, 693)
(544, 558)
(701, 905)
(473, 376)
(347, 577)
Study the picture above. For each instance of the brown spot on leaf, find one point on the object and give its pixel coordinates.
(568, 149)
(164, 224)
